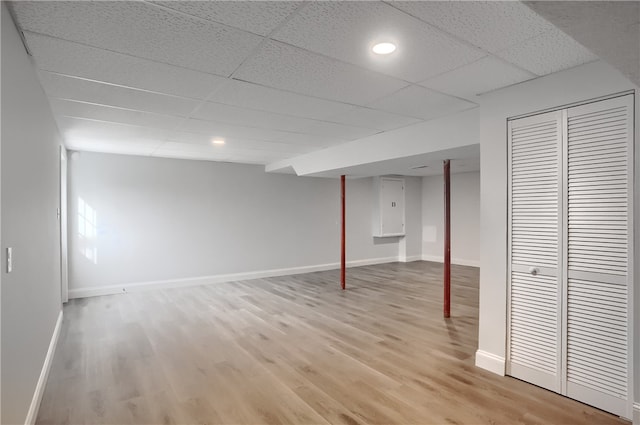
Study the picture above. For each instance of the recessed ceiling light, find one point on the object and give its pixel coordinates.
(384, 48)
(218, 141)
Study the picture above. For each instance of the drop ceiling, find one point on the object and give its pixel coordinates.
(274, 79)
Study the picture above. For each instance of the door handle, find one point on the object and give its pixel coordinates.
(533, 270)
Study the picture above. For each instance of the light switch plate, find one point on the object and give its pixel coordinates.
(9, 259)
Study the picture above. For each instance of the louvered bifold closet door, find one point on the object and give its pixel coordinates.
(599, 170)
(534, 248)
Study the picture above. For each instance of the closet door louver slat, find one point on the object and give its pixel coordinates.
(598, 141)
(534, 342)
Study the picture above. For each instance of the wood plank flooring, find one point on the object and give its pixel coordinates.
(291, 350)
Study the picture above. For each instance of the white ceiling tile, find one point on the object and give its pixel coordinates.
(254, 96)
(63, 87)
(65, 57)
(373, 118)
(335, 130)
(289, 68)
(421, 103)
(249, 117)
(265, 120)
(548, 53)
(312, 140)
(88, 135)
(185, 151)
(231, 143)
(141, 29)
(116, 146)
(81, 128)
(490, 25)
(259, 17)
(72, 108)
(213, 153)
(478, 77)
(348, 30)
(215, 129)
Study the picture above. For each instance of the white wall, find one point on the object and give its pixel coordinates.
(574, 85)
(166, 219)
(465, 218)
(31, 293)
(411, 243)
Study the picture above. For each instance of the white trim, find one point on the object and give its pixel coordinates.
(490, 362)
(410, 258)
(44, 374)
(458, 261)
(636, 413)
(205, 280)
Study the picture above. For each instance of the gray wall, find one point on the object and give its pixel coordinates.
(29, 177)
(163, 219)
(465, 218)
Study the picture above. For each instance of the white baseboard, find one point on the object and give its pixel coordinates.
(490, 362)
(457, 261)
(44, 374)
(205, 280)
(410, 258)
(636, 413)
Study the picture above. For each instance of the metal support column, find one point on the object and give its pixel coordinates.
(343, 254)
(447, 238)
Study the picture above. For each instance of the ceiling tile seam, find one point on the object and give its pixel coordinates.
(196, 17)
(510, 85)
(422, 88)
(202, 102)
(75, 77)
(112, 122)
(298, 93)
(181, 117)
(294, 133)
(315, 120)
(269, 37)
(408, 83)
(123, 53)
(331, 58)
(467, 42)
(227, 150)
(539, 36)
(115, 107)
(490, 56)
(438, 29)
(180, 126)
(252, 53)
(199, 134)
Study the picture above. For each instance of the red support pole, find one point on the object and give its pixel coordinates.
(343, 253)
(447, 239)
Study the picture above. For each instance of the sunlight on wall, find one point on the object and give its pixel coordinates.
(87, 220)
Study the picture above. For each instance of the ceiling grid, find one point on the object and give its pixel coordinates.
(274, 79)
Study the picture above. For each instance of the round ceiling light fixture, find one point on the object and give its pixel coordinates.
(384, 48)
(218, 142)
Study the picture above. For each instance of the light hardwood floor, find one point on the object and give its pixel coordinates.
(291, 350)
